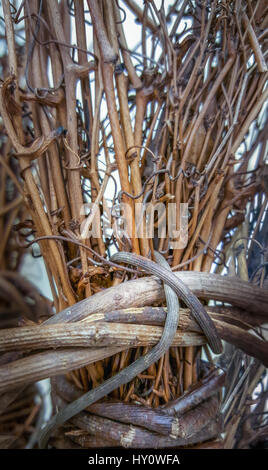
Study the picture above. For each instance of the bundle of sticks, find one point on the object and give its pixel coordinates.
(107, 147)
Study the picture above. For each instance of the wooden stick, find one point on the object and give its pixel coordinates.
(262, 67)
(49, 364)
(198, 393)
(90, 336)
(134, 436)
(152, 419)
(148, 290)
(229, 324)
